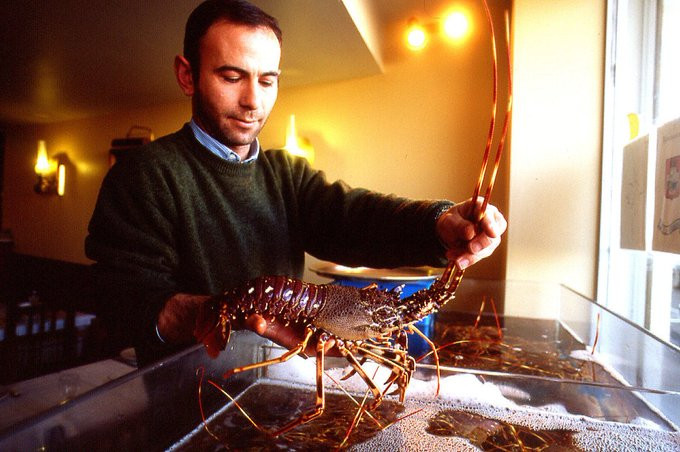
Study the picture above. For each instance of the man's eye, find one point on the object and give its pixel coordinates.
(231, 78)
(268, 82)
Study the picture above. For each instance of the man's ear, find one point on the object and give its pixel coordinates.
(184, 75)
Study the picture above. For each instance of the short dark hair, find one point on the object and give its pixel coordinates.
(207, 13)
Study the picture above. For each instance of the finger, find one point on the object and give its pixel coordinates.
(479, 244)
(468, 231)
(502, 222)
(466, 260)
(454, 227)
(494, 223)
(477, 250)
(256, 323)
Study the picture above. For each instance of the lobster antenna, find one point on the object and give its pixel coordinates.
(506, 119)
(492, 121)
(453, 274)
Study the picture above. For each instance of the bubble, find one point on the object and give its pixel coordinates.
(467, 392)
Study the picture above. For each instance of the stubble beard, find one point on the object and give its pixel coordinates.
(214, 123)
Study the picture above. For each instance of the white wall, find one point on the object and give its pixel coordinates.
(556, 142)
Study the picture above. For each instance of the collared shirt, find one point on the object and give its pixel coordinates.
(220, 149)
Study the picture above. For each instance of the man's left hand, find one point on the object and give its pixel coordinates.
(468, 242)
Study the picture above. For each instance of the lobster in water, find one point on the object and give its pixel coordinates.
(362, 322)
(366, 323)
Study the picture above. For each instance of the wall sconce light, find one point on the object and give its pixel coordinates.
(296, 145)
(51, 173)
(416, 35)
(454, 26)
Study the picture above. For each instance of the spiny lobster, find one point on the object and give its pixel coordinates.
(362, 323)
(369, 323)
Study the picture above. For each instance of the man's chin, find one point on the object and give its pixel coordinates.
(235, 144)
(235, 140)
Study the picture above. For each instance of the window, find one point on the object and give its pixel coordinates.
(642, 93)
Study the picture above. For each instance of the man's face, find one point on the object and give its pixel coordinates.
(238, 83)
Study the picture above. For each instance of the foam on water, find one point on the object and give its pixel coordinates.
(467, 393)
(458, 387)
(296, 369)
(603, 360)
(589, 434)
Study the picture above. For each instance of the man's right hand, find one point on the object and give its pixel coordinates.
(177, 319)
(177, 323)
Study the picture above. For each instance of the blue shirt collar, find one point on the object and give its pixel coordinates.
(220, 149)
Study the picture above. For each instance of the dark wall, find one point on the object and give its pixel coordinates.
(59, 284)
(2, 172)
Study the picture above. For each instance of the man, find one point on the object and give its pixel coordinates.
(205, 209)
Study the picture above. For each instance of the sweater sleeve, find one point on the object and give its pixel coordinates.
(131, 238)
(355, 226)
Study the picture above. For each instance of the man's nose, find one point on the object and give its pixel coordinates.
(250, 95)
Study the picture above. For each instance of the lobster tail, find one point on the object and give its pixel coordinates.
(282, 297)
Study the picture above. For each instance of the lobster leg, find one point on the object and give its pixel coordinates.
(380, 348)
(320, 394)
(374, 341)
(434, 352)
(353, 371)
(377, 395)
(283, 358)
(401, 343)
(398, 361)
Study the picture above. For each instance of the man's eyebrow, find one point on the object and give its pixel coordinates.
(226, 68)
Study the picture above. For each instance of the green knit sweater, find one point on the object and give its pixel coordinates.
(175, 218)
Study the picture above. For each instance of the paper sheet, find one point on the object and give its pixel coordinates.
(667, 189)
(634, 194)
